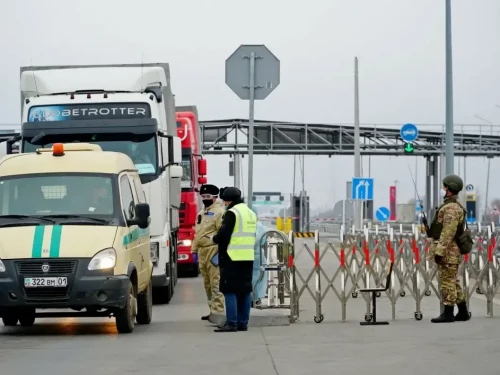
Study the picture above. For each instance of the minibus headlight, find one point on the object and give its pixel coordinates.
(104, 259)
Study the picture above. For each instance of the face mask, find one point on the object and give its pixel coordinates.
(442, 193)
(208, 202)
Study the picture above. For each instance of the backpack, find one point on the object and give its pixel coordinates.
(463, 237)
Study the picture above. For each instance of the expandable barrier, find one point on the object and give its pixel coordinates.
(362, 259)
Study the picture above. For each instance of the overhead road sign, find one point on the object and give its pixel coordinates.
(409, 132)
(362, 189)
(408, 148)
(382, 214)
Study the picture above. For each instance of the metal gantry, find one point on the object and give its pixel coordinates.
(221, 137)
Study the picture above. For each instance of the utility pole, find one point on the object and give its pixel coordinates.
(357, 152)
(450, 139)
(250, 129)
(489, 164)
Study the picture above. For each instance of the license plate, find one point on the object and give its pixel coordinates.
(52, 282)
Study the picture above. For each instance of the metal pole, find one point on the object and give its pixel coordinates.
(302, 197)
(465, 181)
(357, 153)
(343, 214)
(237, 177)
(489, 162)
(436, 185)
(449, 94)
(416, 183)
(250, 129)
(428, 186)
(487, 188)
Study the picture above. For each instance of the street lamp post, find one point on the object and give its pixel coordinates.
(450, 139)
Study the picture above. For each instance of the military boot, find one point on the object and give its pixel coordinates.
(463, 312)
(446, 317)
(205, 317)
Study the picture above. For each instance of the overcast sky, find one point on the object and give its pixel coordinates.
(400, 44)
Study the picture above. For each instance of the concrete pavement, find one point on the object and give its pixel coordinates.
(178, 343)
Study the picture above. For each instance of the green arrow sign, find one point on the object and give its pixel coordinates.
(409, 148)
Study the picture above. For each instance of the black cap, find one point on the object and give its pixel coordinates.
(230, 194)
(209, 189)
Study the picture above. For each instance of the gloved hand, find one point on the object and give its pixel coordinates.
(195, 257)
(438, 259)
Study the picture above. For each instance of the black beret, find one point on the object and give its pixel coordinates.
(231, 194)
(209, 189)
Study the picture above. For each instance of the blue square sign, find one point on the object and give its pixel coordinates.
(362, 189)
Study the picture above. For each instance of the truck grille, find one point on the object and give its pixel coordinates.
(43, 294)
(182, 213)
(35, 267)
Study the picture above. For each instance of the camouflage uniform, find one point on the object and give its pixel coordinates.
(208, 222)
(451, 215)
(445, 252)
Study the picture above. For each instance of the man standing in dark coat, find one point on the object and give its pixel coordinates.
(236, 239)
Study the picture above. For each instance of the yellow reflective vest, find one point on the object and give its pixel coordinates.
(241, 246)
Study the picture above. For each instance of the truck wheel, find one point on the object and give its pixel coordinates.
(195, 271)
(163, 295)
(27, 317)
(10, 317)
(125, 317)
(145, 305)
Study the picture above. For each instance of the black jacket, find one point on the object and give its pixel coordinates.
(235, 277)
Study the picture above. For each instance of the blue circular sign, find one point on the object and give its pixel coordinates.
(382, 214)
(409, 132)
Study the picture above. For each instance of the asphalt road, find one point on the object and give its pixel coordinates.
(178, 343)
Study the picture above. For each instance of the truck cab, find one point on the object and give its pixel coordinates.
(74, 235)
(122, 108)
(194, 172)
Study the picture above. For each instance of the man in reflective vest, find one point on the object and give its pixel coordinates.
(236, 239)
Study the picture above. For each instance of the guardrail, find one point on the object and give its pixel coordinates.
(333, 230)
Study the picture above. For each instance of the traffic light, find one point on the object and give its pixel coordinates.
(408, 148)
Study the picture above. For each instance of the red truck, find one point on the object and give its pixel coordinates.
(195, 170)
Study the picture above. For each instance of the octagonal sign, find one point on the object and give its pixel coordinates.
(267, 71)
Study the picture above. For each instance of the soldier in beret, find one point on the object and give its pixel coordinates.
(208, 222)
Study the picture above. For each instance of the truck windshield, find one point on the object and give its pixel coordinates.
(58, 194)
(140, 148)
(186, 180)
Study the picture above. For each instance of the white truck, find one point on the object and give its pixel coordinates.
(125, 108)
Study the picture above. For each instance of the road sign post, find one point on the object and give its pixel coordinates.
(362, 189)
(382, 214)
(252, 72)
